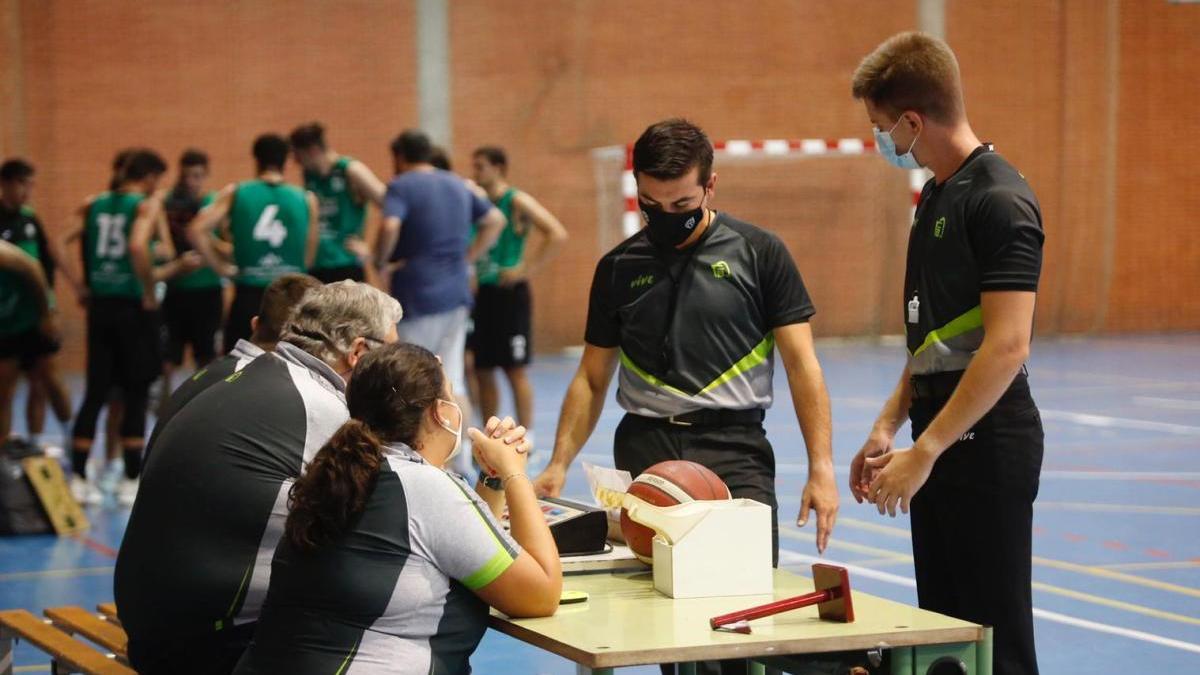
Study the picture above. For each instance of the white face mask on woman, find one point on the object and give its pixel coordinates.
(457, 432)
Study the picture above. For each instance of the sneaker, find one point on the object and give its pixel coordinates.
(111, 477)
(127, 491)
(84, 491)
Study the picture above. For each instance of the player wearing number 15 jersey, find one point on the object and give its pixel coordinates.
(115, 229)
(273, 227)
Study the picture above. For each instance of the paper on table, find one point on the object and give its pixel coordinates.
(608, 487)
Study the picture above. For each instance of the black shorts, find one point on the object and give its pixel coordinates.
(28, 347)
(192, 316)
(123, 342)
(328, 275)
(246, 302)
(502, 318)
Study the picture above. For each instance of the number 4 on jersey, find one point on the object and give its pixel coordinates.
(269, 229)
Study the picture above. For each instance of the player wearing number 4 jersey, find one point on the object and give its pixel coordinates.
(273, 227)
(122, 335)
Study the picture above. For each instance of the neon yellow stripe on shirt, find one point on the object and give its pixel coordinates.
(969, 321)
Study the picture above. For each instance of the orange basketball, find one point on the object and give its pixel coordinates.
(667, 484)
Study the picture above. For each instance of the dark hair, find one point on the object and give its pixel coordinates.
(911, 71)
(118, 167)
(495, 156)
(671, 148)
(307, 135)
(413, 145)
(439, 159)
(279, 300)
(392, 388)
(270, 151)
(193, 157)
(15, 169)
(142, 163)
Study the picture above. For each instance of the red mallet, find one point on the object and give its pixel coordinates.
(832, 599)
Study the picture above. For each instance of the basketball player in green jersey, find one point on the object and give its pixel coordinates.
(115, 229)
(20, 226)
(25, 320)
(274, 229)
(194, 303)
(503, 307)
(343, 187)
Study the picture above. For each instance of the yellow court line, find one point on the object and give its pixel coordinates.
(1047, 588)
(1162, 565)
(41, 574)
(1117, 604)
(1090, 570)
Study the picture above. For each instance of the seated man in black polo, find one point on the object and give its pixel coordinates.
(194, 566)
(279, 301)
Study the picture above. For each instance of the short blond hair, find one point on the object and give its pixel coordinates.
(912, 71)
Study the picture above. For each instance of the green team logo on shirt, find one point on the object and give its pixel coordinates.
(644, 280)
(939, 228)
(720, 270)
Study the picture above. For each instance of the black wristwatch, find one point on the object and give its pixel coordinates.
(491, 482)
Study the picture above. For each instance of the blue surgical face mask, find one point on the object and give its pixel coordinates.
(887, 148)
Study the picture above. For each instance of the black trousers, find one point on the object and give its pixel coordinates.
(212, 654)
(972, 524)
(246, 302)
(741, 455)
(122, 350)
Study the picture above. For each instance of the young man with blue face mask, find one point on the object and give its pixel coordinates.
(974, 259)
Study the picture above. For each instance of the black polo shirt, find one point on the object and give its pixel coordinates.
(979, 231)
(196, 556)
(22, 229)
(694, 327)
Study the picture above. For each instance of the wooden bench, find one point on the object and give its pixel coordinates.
(108, 610)
(79, 621)
(68, 654)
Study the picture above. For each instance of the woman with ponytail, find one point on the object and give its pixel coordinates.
(388, 563)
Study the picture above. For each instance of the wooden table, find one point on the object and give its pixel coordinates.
(626, 622)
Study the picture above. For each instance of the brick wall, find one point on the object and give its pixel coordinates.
(552, 80)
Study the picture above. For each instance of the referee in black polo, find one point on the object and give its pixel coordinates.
(693, 308)
(974, 258)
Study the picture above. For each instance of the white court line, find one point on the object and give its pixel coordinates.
(1167, 403)
(1118, 508)
(1055, 617)
(1106, 422)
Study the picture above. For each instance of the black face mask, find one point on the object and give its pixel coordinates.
(670, 229)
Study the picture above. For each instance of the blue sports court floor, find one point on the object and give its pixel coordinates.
(1117, 530)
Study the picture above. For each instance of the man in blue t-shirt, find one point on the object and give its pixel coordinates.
(426, 251)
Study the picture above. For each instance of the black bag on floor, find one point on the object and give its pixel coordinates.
(21, 511)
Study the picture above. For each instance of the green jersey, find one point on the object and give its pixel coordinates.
(509, 248)
(18, 305)
(23, 229)
(269, 225)
(106, 245)
(341, 215)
